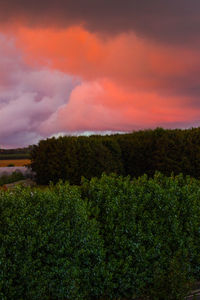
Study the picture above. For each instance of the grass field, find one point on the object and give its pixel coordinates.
(14, 162)
(8, 156)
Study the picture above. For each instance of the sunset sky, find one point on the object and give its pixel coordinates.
(79, 66)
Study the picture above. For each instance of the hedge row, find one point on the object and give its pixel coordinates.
(135, 154)
(110, 238)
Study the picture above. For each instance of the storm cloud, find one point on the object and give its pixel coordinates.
(170, 21)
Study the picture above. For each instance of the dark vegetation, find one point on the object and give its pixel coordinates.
(105, 236)
(109, 238)
(135, 154)
(20, 153)
(15, 176)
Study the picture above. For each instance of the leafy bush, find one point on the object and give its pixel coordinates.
(151, 231)
(48, 247)
(110, 238)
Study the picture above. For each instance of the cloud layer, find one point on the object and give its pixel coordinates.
(176, 20)
(28, 96)
(76, 66)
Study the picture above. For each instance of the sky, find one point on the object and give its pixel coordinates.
(75, 67)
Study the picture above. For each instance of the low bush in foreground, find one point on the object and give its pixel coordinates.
(151, 231)
(49, 249)
(110, 238)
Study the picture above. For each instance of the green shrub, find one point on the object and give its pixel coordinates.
(151, 234)
(110, 238)
(48, 247)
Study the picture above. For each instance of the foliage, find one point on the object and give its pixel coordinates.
(135, 154)
(49, 249)
(15, 153)
(110, 238)
(151, 232)
(15, 176)
(69, 158)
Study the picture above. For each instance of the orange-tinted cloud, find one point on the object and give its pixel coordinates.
(125, 58)
(101, 106)
(125, 82)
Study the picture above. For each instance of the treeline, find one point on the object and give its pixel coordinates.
(16, 150)
(110, 238)
(18, 153)
(133, 154)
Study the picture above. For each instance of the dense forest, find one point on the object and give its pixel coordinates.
(134, 154)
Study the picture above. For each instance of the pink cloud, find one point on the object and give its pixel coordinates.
(125, 83)
(28, 96)
(129, 82)
(124, 58)
(102, 105)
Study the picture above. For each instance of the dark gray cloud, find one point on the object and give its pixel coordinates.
(166, 20)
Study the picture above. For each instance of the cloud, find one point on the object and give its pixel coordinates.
(124, 83)
(28, 96)
(137, 64)
(170, 21)
(102, 105)
(126, 59)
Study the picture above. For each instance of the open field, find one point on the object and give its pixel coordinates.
(4, 156)
(15, 162)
